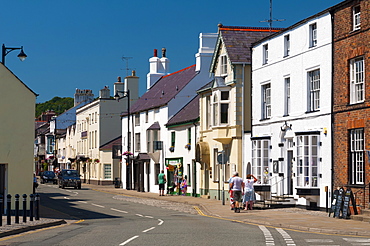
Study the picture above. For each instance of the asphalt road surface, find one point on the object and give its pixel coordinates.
(108, 219)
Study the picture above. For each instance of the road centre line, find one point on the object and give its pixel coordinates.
(121, 211)
(150, 217)
(129, 240)
(66, 198)
(151, 228)
(140, 215)
(97, 205)
(82, 201)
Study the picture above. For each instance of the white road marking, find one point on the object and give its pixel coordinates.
(150, 217)
(121, 211)
(151, 228)
(288, 240)
(319, 240)
(82, 201)
(66, 197)
(160, 222)
(140, 215)
(357, 240)
(129, 240)
(269, 240)
(97, 205)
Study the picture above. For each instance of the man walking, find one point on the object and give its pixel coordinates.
(237, 187)
(161, 182)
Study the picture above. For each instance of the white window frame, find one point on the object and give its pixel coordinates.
(357, 157)
(261, 160)
(287, 101)
(356, 13)
(137, 119)
(223, 64)
(313, 35)
(313, 78)
(219, 104)
(266, 101)
(308, 161)
(357, 77)
(265, 51)
(137, 142)
(286, 45)
(107, 171)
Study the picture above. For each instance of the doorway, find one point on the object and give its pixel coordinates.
(2, 186)
(290, 172)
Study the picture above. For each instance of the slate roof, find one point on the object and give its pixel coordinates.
(238, 42)
(165, 89)
(109, 145)
(189, 113)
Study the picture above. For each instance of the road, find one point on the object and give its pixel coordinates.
(108, 219)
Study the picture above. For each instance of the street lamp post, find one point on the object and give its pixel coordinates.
(126, 93)
(6, 50)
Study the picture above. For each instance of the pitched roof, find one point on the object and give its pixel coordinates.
(165, 89)
(109, 144)
(238, 42)
(189, 113)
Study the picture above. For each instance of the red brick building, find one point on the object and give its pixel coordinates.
(351, 97)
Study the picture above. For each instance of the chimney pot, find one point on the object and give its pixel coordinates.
(155, 52)
(119, 78)
(133, 73)
(163, 52)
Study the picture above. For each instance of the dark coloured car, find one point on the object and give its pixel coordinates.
(48, 176)
(69, 178)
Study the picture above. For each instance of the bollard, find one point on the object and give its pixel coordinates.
(8, 209)
(1, 209)
(24, 208)
(32, 199)
(16, 208)
(37, 207)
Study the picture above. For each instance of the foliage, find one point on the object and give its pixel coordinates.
(57, 104)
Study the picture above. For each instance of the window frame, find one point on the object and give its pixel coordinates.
(220, 108)
(266, 101)
(265, 54)
(314, 87)
(286, 45)
(287, 98)
(223, 65)
(357, 86)
(357, 156)
(137, 142)
(261, 160)
(356, 17)
(308, 161)
(313, 35)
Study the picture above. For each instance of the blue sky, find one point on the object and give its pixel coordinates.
(80, 43)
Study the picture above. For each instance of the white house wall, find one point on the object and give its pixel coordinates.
(296, 66)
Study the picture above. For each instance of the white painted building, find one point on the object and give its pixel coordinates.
(166, 95)
(291, 116)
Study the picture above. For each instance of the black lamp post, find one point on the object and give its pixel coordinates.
(6, 50)
(126, 93)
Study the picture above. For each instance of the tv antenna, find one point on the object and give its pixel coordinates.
(126, 58)
(271, 19)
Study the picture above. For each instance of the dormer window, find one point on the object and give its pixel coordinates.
(356, 18)
(223, 67)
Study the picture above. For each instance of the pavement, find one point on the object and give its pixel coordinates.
(286, 218)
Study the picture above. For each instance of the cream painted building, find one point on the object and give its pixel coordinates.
(225, 109)
(17, 112)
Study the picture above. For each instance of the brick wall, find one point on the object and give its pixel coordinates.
(349, 44)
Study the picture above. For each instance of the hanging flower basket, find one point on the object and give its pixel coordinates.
(96, 160)
(89, 160)
(127, 153)
(172, 149)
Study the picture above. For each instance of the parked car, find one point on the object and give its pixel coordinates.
(69, 178)
(48, 176)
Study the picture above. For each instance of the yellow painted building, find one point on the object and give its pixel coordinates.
(17, 113)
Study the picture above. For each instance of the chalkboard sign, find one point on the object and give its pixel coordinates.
(346, 200)
(334, 202)
(339, 203)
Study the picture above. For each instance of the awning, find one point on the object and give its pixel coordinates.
(142, 156)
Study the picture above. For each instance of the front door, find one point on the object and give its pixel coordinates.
(289, 172)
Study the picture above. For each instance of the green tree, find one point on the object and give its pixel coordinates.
(57, 104)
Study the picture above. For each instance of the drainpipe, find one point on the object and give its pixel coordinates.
(195, 146)
(332, 103)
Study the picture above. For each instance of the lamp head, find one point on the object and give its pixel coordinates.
(22, 56)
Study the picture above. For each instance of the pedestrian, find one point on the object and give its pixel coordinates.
(161, 181)
(237, 186)
(184, 186)
(35, 184)
(249, 195)
(232, 203)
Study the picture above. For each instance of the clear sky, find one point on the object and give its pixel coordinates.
(80, 43)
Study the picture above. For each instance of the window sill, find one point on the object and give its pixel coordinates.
(355, 103)
(313, 111)
(264, 119)
(285, 115)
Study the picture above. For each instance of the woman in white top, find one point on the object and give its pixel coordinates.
(249, 196)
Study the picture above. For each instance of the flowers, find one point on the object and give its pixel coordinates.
(127, 153)
(96, 160)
